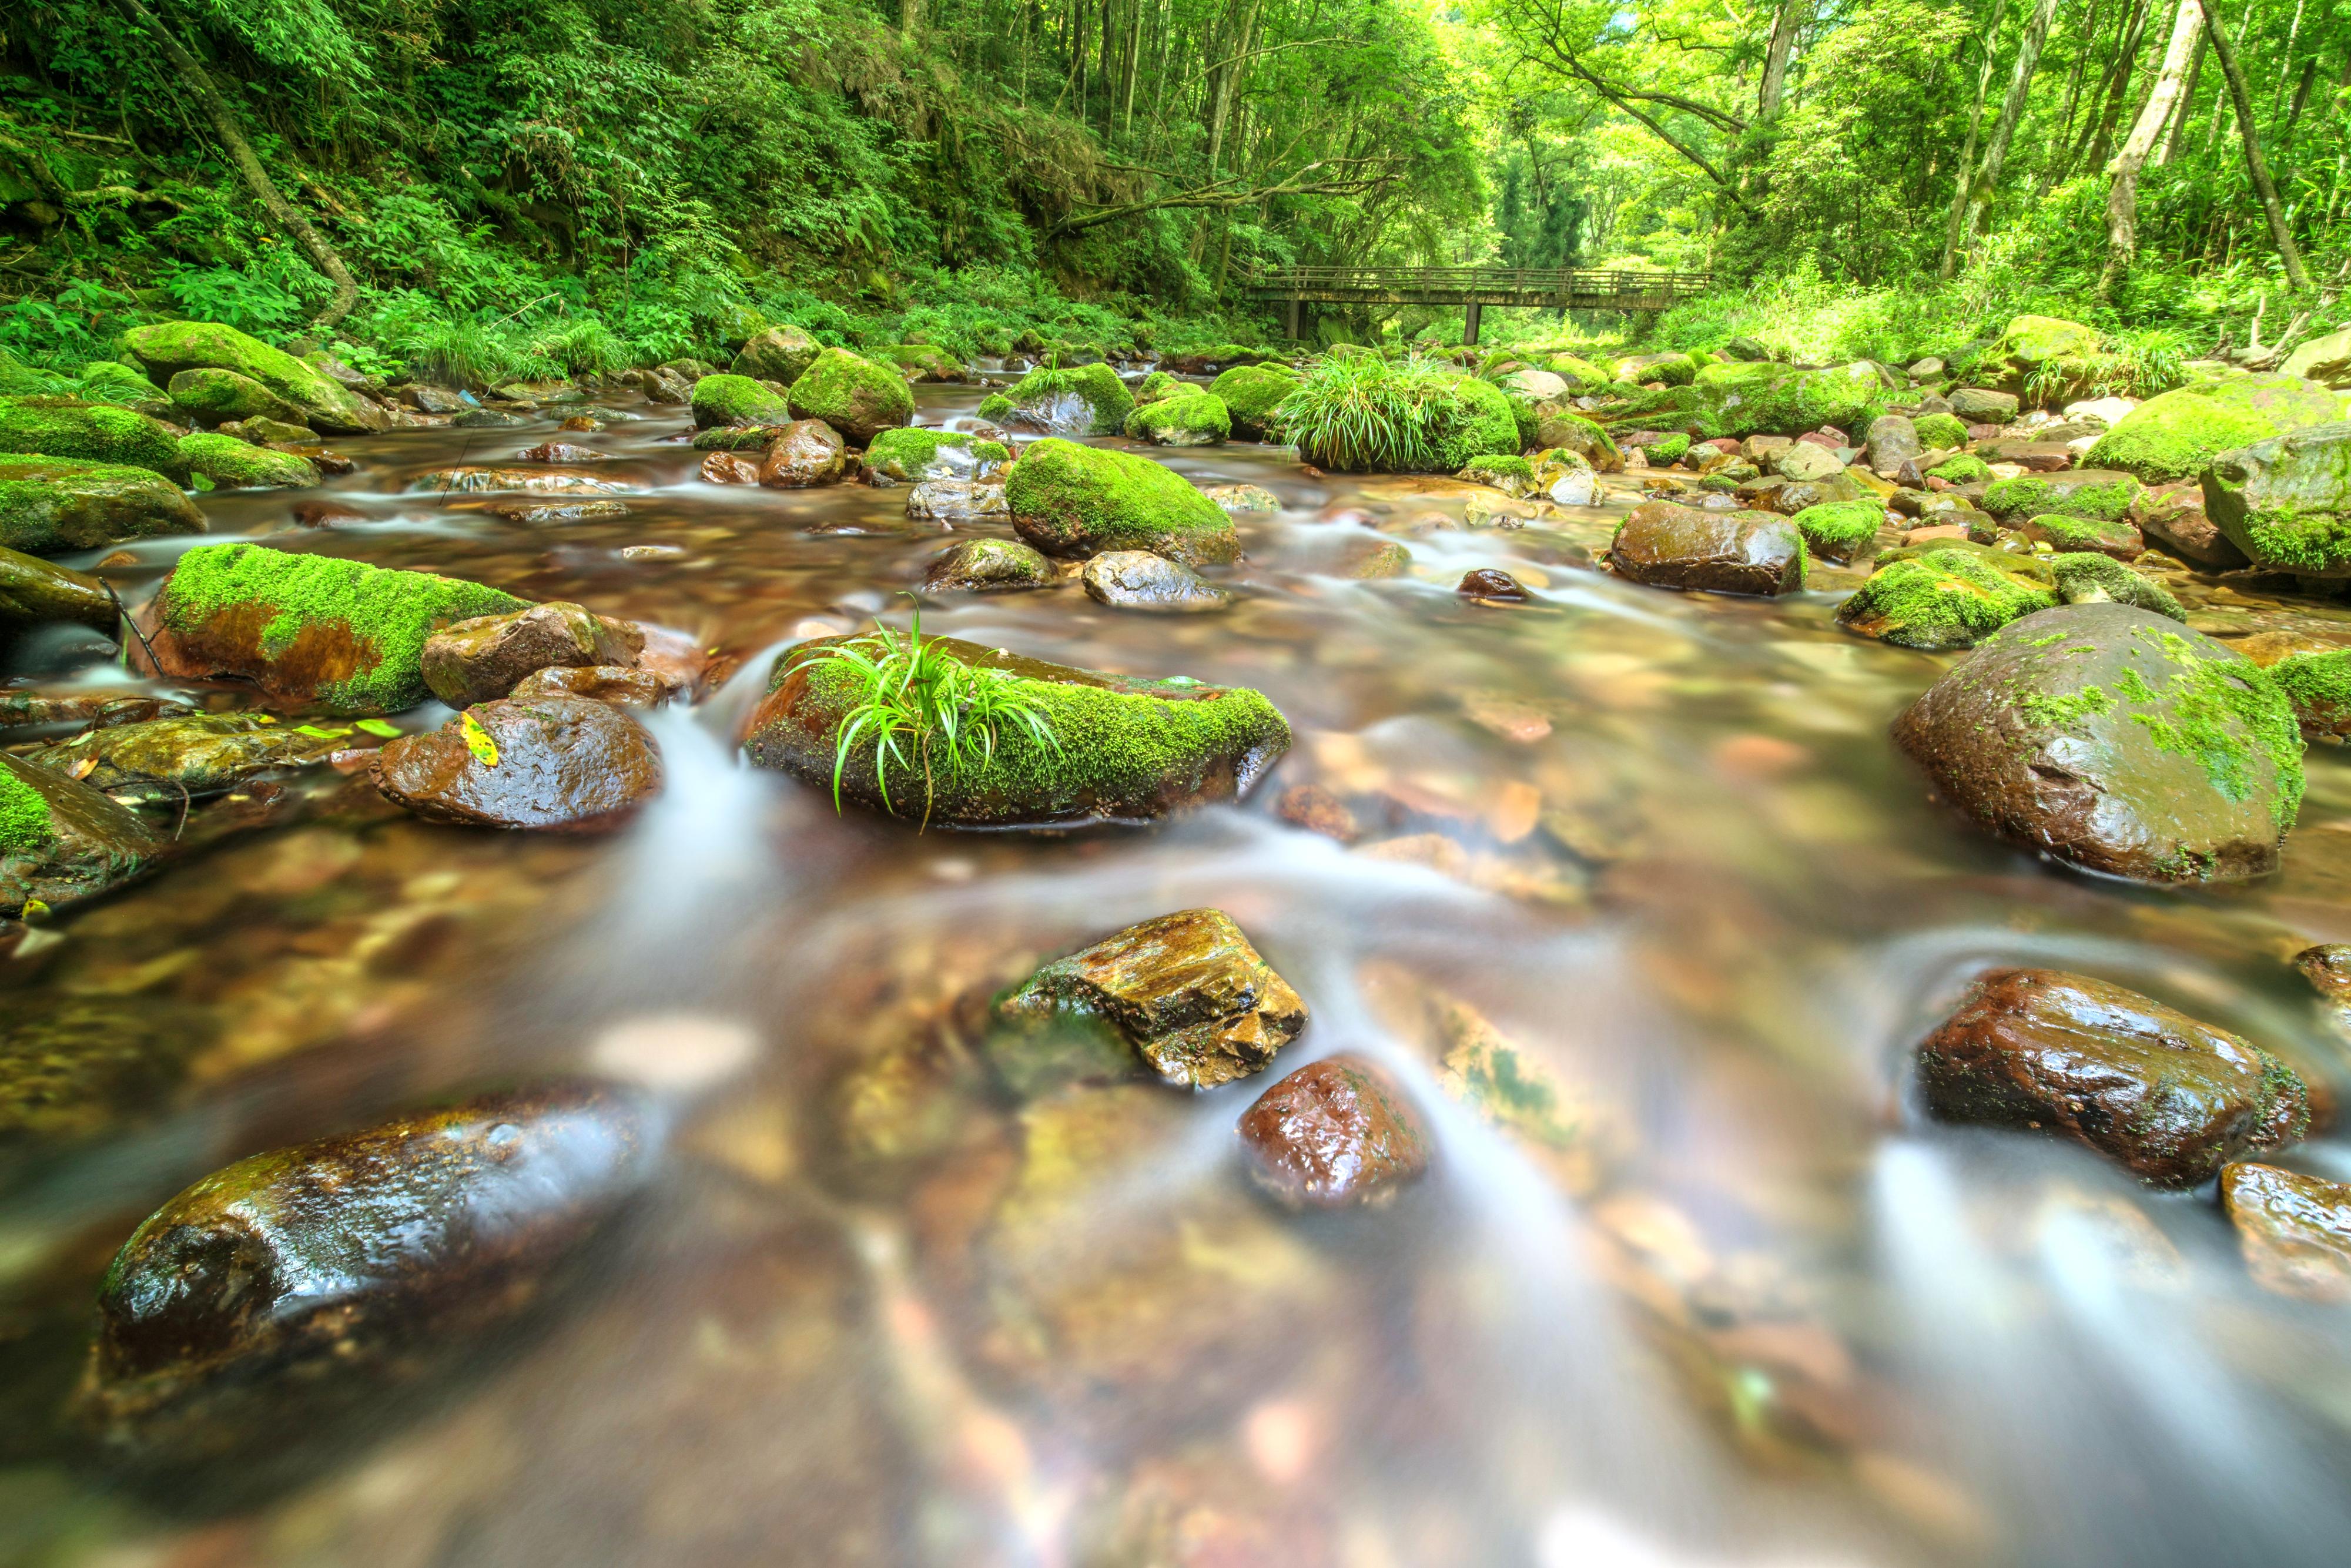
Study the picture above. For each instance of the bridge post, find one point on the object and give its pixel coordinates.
(1470, 322)
(1292, 308)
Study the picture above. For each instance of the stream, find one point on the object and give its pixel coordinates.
(1757, 1312)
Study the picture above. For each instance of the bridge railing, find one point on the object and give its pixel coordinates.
(1620, 281)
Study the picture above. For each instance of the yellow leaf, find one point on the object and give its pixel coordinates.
(477, 741)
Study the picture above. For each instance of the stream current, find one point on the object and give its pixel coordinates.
(1754, 1309)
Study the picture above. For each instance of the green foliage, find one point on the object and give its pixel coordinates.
(1378, 416)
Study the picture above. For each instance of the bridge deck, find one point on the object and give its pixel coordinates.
(1576, 289)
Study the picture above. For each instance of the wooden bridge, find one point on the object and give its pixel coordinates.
(1474, 287)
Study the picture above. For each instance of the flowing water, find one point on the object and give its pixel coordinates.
(879, 1309)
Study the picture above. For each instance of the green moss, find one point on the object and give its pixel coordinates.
(731, 400)
(223, 394)
(2087, 702)
(1500, 469)
(1675, 370)
(924, 358)
(1666, 449)
(229, 463)
(1967, 469)
(1839, 529)
(1072, 500)
(25, 826)
(911, 454)
(991, 453)
(2089, 575)
(1941, 430)
(92, 432)
(1568, 431)
(52, 505)
(2177, 434)
(2226, 715)
(2067, 533)
(1097, 386)
(1161, 383)
(2037, 496)
(1581, 375)
(854, 395)
(998, 407)
(168, 348)
(389, 612)
(2318, 684)
(1250, 394)
(1198, 421)
(1946, 597)
(1764, 399)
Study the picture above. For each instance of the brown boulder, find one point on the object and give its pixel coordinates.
(2173, 519)
(728, 469)
(2294, 1230)
(615, 684)
(560, 452)
(2170, 1099)
(473, 661)
(1671, 545)
(549, 762)
(1334, 1132)
(60, 840)
(1491, 582)
(537, 481)
(804, 452)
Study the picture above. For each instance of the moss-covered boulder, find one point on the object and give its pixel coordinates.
(1949, 594)
(1161, 383)
(1780, 399)
(988, 566)
(1200, 420)
(1504, 471)
(223, 463)
(2118, 537)
(854, 395)
(51, 505)
(777, 354)
(1966, 468)
(1121, 748)
(1840, 531)
(2044, 359)
(308, 628)
(1942, 432)
(923, 361)
(212, 397)
(1580, 375)
(913, 454)
(1077, 400)
(2177, 434)
(92, 432)
(2286, 501)
(60, 840)
(170, 346)
(2097, 495)
(1675, 370)
(730, 401)
(1665, 450)
(2116, 740)
(2087, 577)
(2318, 684)
(1250, 394)
(1074, 500)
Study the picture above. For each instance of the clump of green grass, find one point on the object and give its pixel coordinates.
(1358, 414)
(920, 706)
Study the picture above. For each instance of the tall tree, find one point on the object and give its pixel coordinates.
(2012, 110)
(2280, 233)
(1966, 185)
(1775, 58)
(2122, 195)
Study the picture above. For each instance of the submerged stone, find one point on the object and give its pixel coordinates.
(553, 762)
(1122, 748)
(2294, 1230)
(305, 1282)
(2169, 1098)
(1246, 498)
(988, 566)
(537, 481)
(1137, 579)
(60, 840)
(50, 506)
(1074, 500)
(72, 1068)
(473, 661)
(308, 627)
(1335, 1133)
(1186, 991)
(959, 501)
(188, 756)
(2112, 738)
(1670, 546)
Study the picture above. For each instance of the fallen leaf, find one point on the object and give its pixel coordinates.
(83, 768)
(376, 726)
(477, 741)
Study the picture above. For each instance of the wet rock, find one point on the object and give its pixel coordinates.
(1670, 546)
(2294, 1230)
(75, 1068)
(778, 355)
(560, 452)
(2116, 539)
(1137, 579)
(1124, 749)
(805, 452)
(957, 501)
(1981, 405)
(537, 481)
(1492, 583)
(1947, 593)
(36, 593)
(1376, 559)
(544, 762)
(2117, 740)
(853, 394)
(308, 628)
(620, 685)
(189, 756)
(264, 432)
(49, 506)
(433, 400)
(728, 468)
(1807, 463)
(167, 347)
(1892, 441)
(1336, 1133)
(302, 1282)
(539, 512)
(1244, 499)
(488, 419)
(1186, 991)
(2085, 578)
(988, 566)
(2173, 519)
(473, 661)
(1074, 500)
(2327, 968)
(2287, 502)
(60, 840)
(1315, 809)
(2168, 1097)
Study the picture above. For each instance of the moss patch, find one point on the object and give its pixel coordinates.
(2177, 434)
(731, 400)
(1667, 449)
(911, 454)
(1250, 394)
(228, 464)
(2225, 714)
(1068, 499)
(25, 826)
(1097, 386)
(2102, 499)
(91, 432)
(1200, 420)
(1967, 469)
(170, 346)
(1780, 399)
(2087, 576)
(1935, 599)
(1941, 430)
(51, 505)
(2319, 686)
(1839, 529)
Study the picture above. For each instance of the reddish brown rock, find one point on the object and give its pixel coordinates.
(1315, 809)
(2294, 1230)
(2172, 518)
(728, 468)
(549, 762)
(804, 452)
(2168, 1097)
(1671, 545)
(615, 684)
(560, 452)
(1335, 1133)
(1491, 582)
(473, 661)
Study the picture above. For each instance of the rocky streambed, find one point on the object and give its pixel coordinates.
(1453, 1051)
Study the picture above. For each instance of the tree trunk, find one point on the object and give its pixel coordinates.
(2272, 209)
(2106, 103)
(1968, 151)
(2012, 110)
(2122, 195)
(256, 179)
(910, 18)
(1775, 60)
(2184, 112)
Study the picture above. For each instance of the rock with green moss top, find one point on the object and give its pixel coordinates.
(2118, 537)
(997, 407)
(166, 760)
(308, 628)
(1665, 450)
(778, 355)
(1780, 399)
(1951, 594)
(1941, 431)
(105, 380)
(1122, 748)
(1077, 400)
(211, 397)
(1967, 469)
(2045, 359)
(732, 400)
(2286, 501)
(740, 437)
(1561, 431)
(1504, 471)
(90, 432)
(2087, 577)
(2318, 684)
(1074, 500)
(922, 362)
(2111, 739)
(2099, 494)
(1251, 394)
(2177, 434)
(1161, 384)
(261, 431)
(170, 346)
(1201, 420)
(1675, 370)
(913, 454)
(225, 462)
(60, 840)
(988, 566)
(1581, 375)
(1840, 531)
(50, 506)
